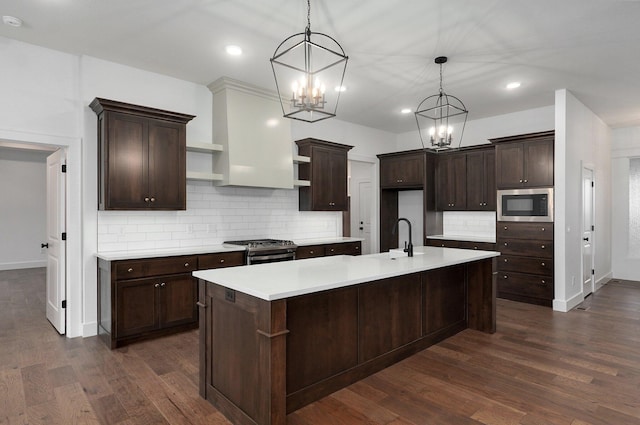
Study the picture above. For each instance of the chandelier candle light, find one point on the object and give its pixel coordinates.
(438, 115)
(304, 64)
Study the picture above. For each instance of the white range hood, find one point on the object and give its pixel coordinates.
(255, 137)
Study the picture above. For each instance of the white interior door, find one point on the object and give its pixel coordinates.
(587, 232)
(56, 252)
(364, 214)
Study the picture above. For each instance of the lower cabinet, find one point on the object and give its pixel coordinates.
(145, 298)
(450, 243)
(342, 248)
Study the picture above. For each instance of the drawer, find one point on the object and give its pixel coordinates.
(525, 285)
(511, 230)
(310, 251)
(220, 260)
(346, 248)
(130, 269)
(443, 243)
(538, 266)
(529, 248)
(484, 246)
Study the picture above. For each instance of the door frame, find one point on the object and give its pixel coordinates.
(591, 168)
(74, 218)
(375, 196)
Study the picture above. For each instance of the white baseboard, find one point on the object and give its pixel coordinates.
(23, 265)
(603, 281)
(566, 305)
(89, 329)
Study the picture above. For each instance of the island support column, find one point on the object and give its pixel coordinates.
(243, 355)
(481, 304)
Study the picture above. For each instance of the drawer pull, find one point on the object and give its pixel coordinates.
(542, 247)
(186, 264)
(506, 228)
(157, 285)
(163, 284)
(146, 199)
(221, 260)
(543, 282)
(505, 244)
(543, 229)
(153, 199)
(332, 249)
(505, 276)
(311, 252)
(542, 264)
(506, 261)
(130, 269)
(357, 248)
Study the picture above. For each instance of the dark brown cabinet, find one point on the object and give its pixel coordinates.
(450, 243)
(525, 268)
(445, 299)
(145, 298)
(327, 172)
(324, 250)
(141, 157)
(402, 170)
(524, 161)
(481, 180)
(452, 182)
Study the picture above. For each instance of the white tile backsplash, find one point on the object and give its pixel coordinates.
(214, 215)
(469, 223)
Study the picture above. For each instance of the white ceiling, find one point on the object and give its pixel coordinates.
(590, 47)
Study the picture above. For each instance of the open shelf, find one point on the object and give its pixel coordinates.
(301, 183)
(297, 159)
(203, 147)
(195, 175)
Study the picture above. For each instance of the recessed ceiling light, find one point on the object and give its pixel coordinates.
(234, 50)
(513, 85)
(12, 21)
(406, 110)
(340, 88)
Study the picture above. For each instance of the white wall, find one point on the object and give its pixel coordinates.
(582, 139)
(478, 132)
(23, 208)
(625, 145)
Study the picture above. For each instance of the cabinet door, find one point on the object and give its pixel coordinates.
(124, 163)
(538, 163)
(490, 180)
(309, 251)
(445, 298)
(338, 185)
(476, 193)
(402, 171)
(452, 171)
(136, 306)
(510, 167)
(167, 165)
(178, 296)
(329, 179)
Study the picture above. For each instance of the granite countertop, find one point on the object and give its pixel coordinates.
(488, 239)
(273, 281)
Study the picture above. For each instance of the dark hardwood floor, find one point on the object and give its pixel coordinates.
(541, 367)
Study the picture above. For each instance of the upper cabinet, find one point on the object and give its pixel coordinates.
(141, 157)
(481, 180)
(451, 182)
(525, 160)
(327, 173)
(402, 170)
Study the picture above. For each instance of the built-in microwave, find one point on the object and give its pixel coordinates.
(525, 204)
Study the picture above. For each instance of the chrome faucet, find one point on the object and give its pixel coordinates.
(408, 248)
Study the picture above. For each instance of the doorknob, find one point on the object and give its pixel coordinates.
(361, 228)
(44, 245)
(585, 239)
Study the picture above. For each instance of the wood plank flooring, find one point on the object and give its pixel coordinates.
(541, 367)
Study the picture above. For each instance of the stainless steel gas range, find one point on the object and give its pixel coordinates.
(259, 251)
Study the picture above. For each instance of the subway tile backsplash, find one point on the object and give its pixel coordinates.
(214, 215)
(469, 223)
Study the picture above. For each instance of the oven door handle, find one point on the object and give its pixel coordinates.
(253, 258)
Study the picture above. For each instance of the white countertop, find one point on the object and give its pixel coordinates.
(324, 241)
(488, 239)
(169, 252)
(273, 281)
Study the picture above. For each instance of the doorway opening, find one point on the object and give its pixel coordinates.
(34, 219)
(362, 203)
(588, 231)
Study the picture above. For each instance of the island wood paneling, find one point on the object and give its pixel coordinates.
(445, 298)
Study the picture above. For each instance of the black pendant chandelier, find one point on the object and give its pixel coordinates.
(309, 71)
(440, 116)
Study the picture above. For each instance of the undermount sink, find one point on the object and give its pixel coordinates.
(397, 253)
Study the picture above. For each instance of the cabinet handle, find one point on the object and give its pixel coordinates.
(543, 282)
(542, 264)
(332, 250)
(221, 260)
(146, 199)
(311, 252)
(163, 284)
(186, 264)
(505, 227)
(520, 180)
(357, 248)
(505, 244)
(129, 269)
(156, 285)
(542, 247)
(526, 181)
(475, 247)
(543, 229)
(153, 199)
(506, 261)
(505, 276)
(201, 304)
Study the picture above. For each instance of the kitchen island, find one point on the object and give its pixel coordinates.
(275, 337)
